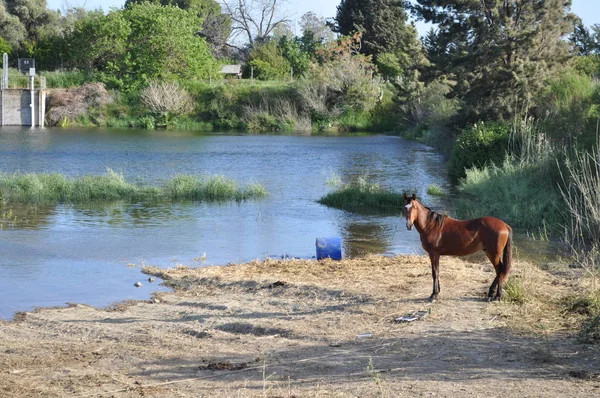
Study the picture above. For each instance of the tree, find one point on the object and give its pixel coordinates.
(316, 28)
(586, 41)
(388, 37)
(53, 50)
(130, 47)
(255, 19)
(216, 26)
(202, 7)
(38, 21)
(268, 62)
(498, 52)
(11, 28)
(383, 24)
(164, 43)
(292, 50)
(99, 42)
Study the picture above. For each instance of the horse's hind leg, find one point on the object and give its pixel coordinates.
(495, 258)
(493, 287)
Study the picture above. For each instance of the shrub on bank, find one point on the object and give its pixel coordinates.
(512, 191)
(477, 146)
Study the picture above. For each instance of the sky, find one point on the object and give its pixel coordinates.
(587, 10)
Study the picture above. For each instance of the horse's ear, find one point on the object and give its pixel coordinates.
(414, 197)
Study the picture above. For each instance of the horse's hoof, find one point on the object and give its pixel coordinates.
(497, 298)
(433, 298)
(489, 299)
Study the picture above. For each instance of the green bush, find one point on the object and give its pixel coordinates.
(66, 79)
(269, 63)
(4, 47)
(429, 113)
(569, 109)
(479, 145)
(587, 65)
(511, 191)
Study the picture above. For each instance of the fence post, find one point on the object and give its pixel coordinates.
(4, 71)
(42, 101)
(32, 87)
(3, 86)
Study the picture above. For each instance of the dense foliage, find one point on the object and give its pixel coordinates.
(498, 53)
(479, 145)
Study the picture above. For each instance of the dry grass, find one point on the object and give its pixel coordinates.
(69, 104)
(306, 328)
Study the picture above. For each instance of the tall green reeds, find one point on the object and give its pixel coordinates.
(523, 190)
(44, 188)
(216, 188)
(581, 195)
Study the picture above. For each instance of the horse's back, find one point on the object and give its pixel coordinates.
(494, 224)
(494, 233)
(462, 237)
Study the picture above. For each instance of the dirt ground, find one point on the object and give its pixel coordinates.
(296, 328)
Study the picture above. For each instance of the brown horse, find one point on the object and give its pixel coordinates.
(445, 236)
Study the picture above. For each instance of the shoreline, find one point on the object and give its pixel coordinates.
(304, 328)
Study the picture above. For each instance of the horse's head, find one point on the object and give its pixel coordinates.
(410, 210)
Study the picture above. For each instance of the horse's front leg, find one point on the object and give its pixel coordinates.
(435, 273)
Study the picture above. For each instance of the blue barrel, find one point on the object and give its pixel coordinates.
(329, 248)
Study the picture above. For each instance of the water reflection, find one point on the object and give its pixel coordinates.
(25, 216)
(363, 237)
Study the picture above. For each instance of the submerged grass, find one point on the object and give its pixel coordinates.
(46, 188)
(363, 194)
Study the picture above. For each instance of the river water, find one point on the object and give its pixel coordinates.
(93, 254)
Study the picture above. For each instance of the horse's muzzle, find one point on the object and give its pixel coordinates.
(409, 225)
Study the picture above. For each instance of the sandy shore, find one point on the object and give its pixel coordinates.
(300, 328)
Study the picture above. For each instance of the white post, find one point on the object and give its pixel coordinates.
(4, 86)
(252, 74)
(32, 86)
(42, 101)
(4, 71)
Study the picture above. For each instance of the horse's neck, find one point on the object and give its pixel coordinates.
(424, 222)
(422, 219)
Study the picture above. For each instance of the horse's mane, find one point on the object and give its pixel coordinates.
(435, 217)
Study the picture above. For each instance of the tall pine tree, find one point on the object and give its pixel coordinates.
(386, 35)
(499, 52)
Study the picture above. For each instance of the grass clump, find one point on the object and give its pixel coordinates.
(363, 194)
(435, 190)
(587, 305)
(216, 188)
(45, 188)
(514, 290)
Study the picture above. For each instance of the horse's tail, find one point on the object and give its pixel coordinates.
(507, 256)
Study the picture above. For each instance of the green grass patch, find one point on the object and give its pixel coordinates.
(44, 188)
(435, 190)
(589, 306)
(363, 194)
(525, 195)
(216, 188)
(514, 290)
